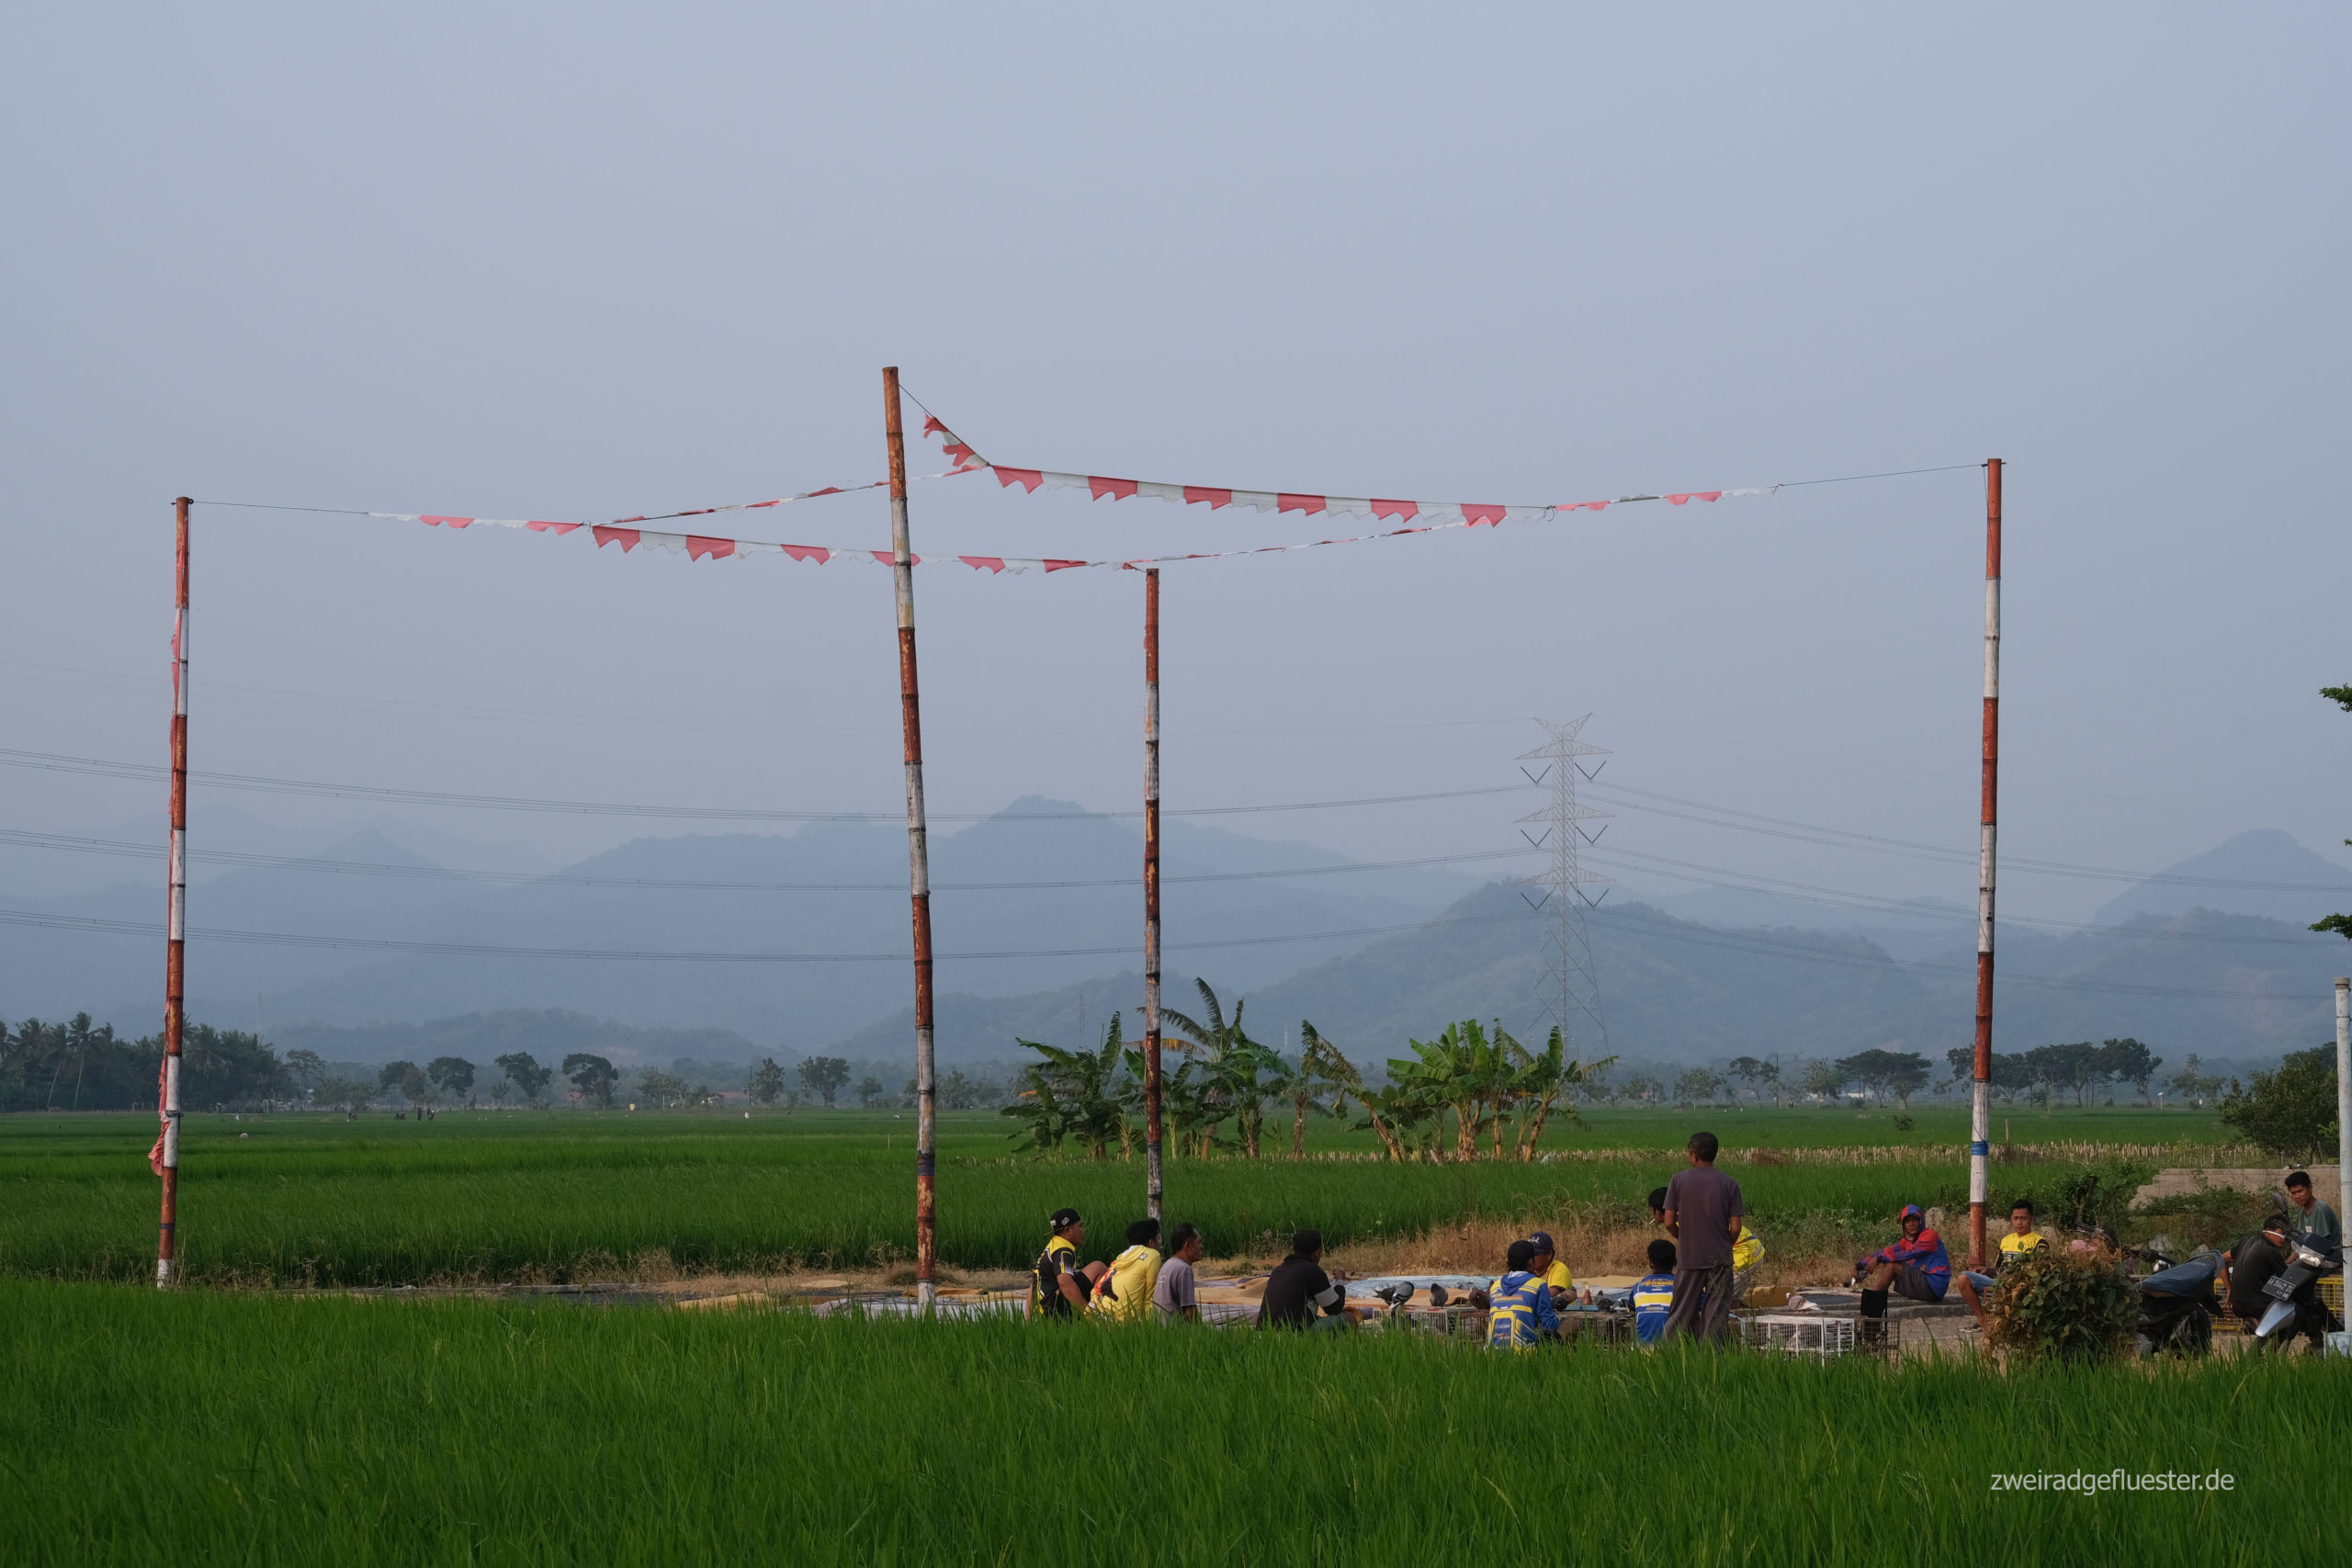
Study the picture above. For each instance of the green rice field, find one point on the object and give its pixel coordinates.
(140, 1427)
(488, 1195)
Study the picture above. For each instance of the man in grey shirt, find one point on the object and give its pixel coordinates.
(1174, 1294)
(1703, 1209)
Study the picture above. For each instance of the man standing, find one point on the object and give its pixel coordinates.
(1298, 1287)
(1176, 1294)
(1704, 1211)
(2310, 1216)
(1057, 1286)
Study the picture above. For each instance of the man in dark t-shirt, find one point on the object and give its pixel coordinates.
(2252, 1263)
(1298, 1287)
(1703, 1209)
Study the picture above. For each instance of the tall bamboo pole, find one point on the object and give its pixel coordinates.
(174, 917)
(1151, 1144)
(918, 860)
(1980, 1126)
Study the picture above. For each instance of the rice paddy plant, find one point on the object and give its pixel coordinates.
(492, 1196)
(140, 1427)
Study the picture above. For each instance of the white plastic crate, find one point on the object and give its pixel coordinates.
(1800, 1334)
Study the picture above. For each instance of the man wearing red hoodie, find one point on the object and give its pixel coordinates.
(1917, 1265)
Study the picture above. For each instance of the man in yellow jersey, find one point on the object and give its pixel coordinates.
(1057, 1285)
(1746, 1257)
(1123, 1293)
(1555, 1273)
(2020, 1242)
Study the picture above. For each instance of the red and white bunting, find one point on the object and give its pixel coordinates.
(1434, 514)
(1418, 516)
(715, 547)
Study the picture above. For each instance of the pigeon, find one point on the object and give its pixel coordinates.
(1396, 1295)
(1439, 1295)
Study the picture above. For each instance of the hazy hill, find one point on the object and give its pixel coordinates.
(2305, 886)
(1678, 991)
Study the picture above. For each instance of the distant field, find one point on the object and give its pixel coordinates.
(137, 1426)
(496, 1196)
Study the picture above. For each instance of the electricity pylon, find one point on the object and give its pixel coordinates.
(1570, 989)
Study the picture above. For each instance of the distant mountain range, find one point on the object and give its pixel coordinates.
(1042, 878)
(2195, 960)
(1678, 991)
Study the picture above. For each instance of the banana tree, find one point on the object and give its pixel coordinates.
(1540, 1083)
(1071, 1095)
(1462, 1071)
(1348, 1084)
(1235, 1069)
(1303, 1084)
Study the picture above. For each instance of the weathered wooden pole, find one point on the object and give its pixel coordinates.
(1151, 1132)
(2343, 1097)
(167, 1154)
(1980, 1126)
(917, 861)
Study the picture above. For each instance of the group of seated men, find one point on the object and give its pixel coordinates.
(1144, 1285)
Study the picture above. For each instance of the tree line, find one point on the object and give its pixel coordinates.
(81, 1066)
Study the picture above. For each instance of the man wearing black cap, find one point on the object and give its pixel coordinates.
(1546, 1262)
(1057, 1285)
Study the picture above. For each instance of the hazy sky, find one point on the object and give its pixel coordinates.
(580, 262)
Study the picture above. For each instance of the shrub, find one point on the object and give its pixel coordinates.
(2059, 1304)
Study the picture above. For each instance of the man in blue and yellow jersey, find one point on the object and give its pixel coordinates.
(1520, 1312)
(1057, 1285)
(2021, 1241)
(1653, 1296)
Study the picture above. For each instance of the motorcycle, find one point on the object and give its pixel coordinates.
(2295, 1306)
(2178, 1305)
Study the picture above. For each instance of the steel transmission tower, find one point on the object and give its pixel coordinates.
(1570, 989)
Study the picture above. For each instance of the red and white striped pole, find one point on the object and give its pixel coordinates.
(918, 859)
(1980, 1125)
(174, 923)
(1151, 1144)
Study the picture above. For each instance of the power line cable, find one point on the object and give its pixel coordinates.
(250, 860)
(105, 768)
(99, 925)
